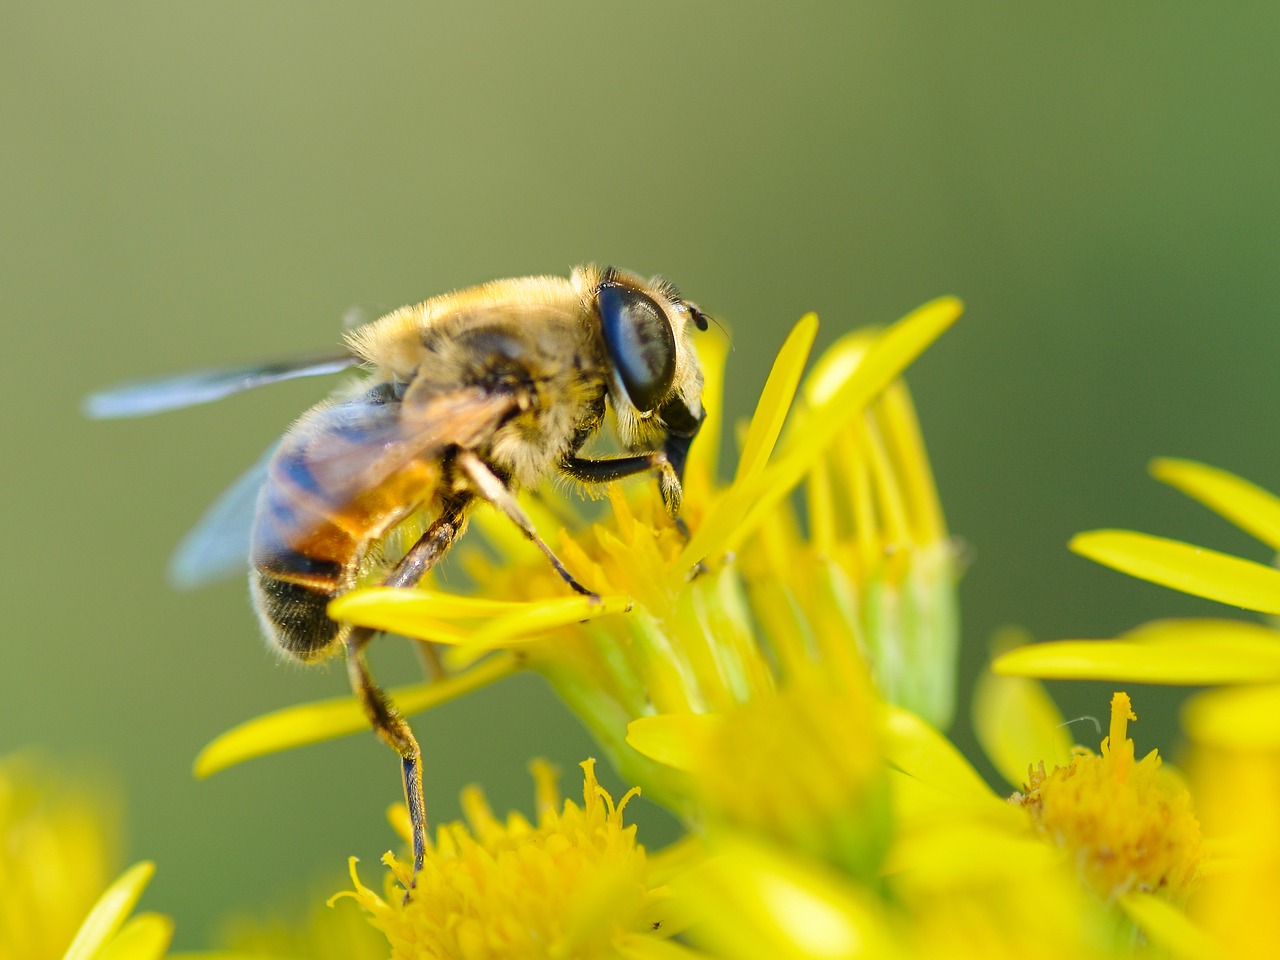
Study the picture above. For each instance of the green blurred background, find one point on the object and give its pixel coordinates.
(193, 184)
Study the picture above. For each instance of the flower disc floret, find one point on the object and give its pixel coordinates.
(573, 884)
(1127, 823)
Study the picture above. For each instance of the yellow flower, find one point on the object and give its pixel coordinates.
(1235, 768)
(793, 865)
(1126, 824)
(57, 853)
(678, 626)
(57, 844)
(972, 887)
(802, 766)
(1102, 832)
(109, 933)
(756, 900)
(987, 896)
(738, 670)
(1235, 731)
(575, 884)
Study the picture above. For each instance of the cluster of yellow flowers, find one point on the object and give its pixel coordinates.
(780, 679)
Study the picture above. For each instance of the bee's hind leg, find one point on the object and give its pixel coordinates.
(489, 486)
(393, 730)
(385, 719)
(431, 546)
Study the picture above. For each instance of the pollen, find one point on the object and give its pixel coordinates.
(1126, 822)
(572, 884)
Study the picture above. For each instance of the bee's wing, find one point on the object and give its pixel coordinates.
(351, 448)
(217, 547)
(143, 397)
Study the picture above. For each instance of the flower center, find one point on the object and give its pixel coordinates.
(1127, 823)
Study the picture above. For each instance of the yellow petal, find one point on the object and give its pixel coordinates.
(1018, 724)
(836, 365)
(674, 859)
(145, 937)
(923, 753)
(1167, 651)
(1249, 507)
(757, 902)
(391, 609)
(1246, 718)
(745, 504)
(420, 613)
(775, 399)
(1182, 566)
(307, 723)
(902, 431)
(674, 739)
(1167, 927)
(713, 352)
(762, 435)
(533, 623)
(966, 852)
(111, 910)
(1230, 636)
(886, 357)
(918, 808)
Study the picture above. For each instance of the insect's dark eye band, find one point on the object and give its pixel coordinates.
(640, 344)
(682, 426)
(679, 419)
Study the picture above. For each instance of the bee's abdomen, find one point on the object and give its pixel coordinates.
(303, 548)
(301, 559)
(293, 613)
(314, 523)
(300, 529)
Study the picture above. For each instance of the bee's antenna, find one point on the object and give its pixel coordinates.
(719, 326)
(1097, 726)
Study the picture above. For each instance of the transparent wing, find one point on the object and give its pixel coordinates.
(144, 397)
(217, 547)
(363, 460)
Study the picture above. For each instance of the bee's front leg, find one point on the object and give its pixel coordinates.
(616, 468)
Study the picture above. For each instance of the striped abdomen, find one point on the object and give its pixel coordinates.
(334, 487)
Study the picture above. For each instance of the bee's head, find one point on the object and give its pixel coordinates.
(656, 383)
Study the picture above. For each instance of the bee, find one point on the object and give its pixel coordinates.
(467, 397)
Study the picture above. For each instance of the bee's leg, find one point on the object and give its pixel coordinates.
(612, 468)
(420, 558)
(393, 730)
(429, 660)
(615, 468)
(431, 546)
(390, 727)
(489, 486)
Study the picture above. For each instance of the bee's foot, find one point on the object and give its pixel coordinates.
(409, 891)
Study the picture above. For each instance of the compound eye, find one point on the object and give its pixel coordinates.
(640, 343)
